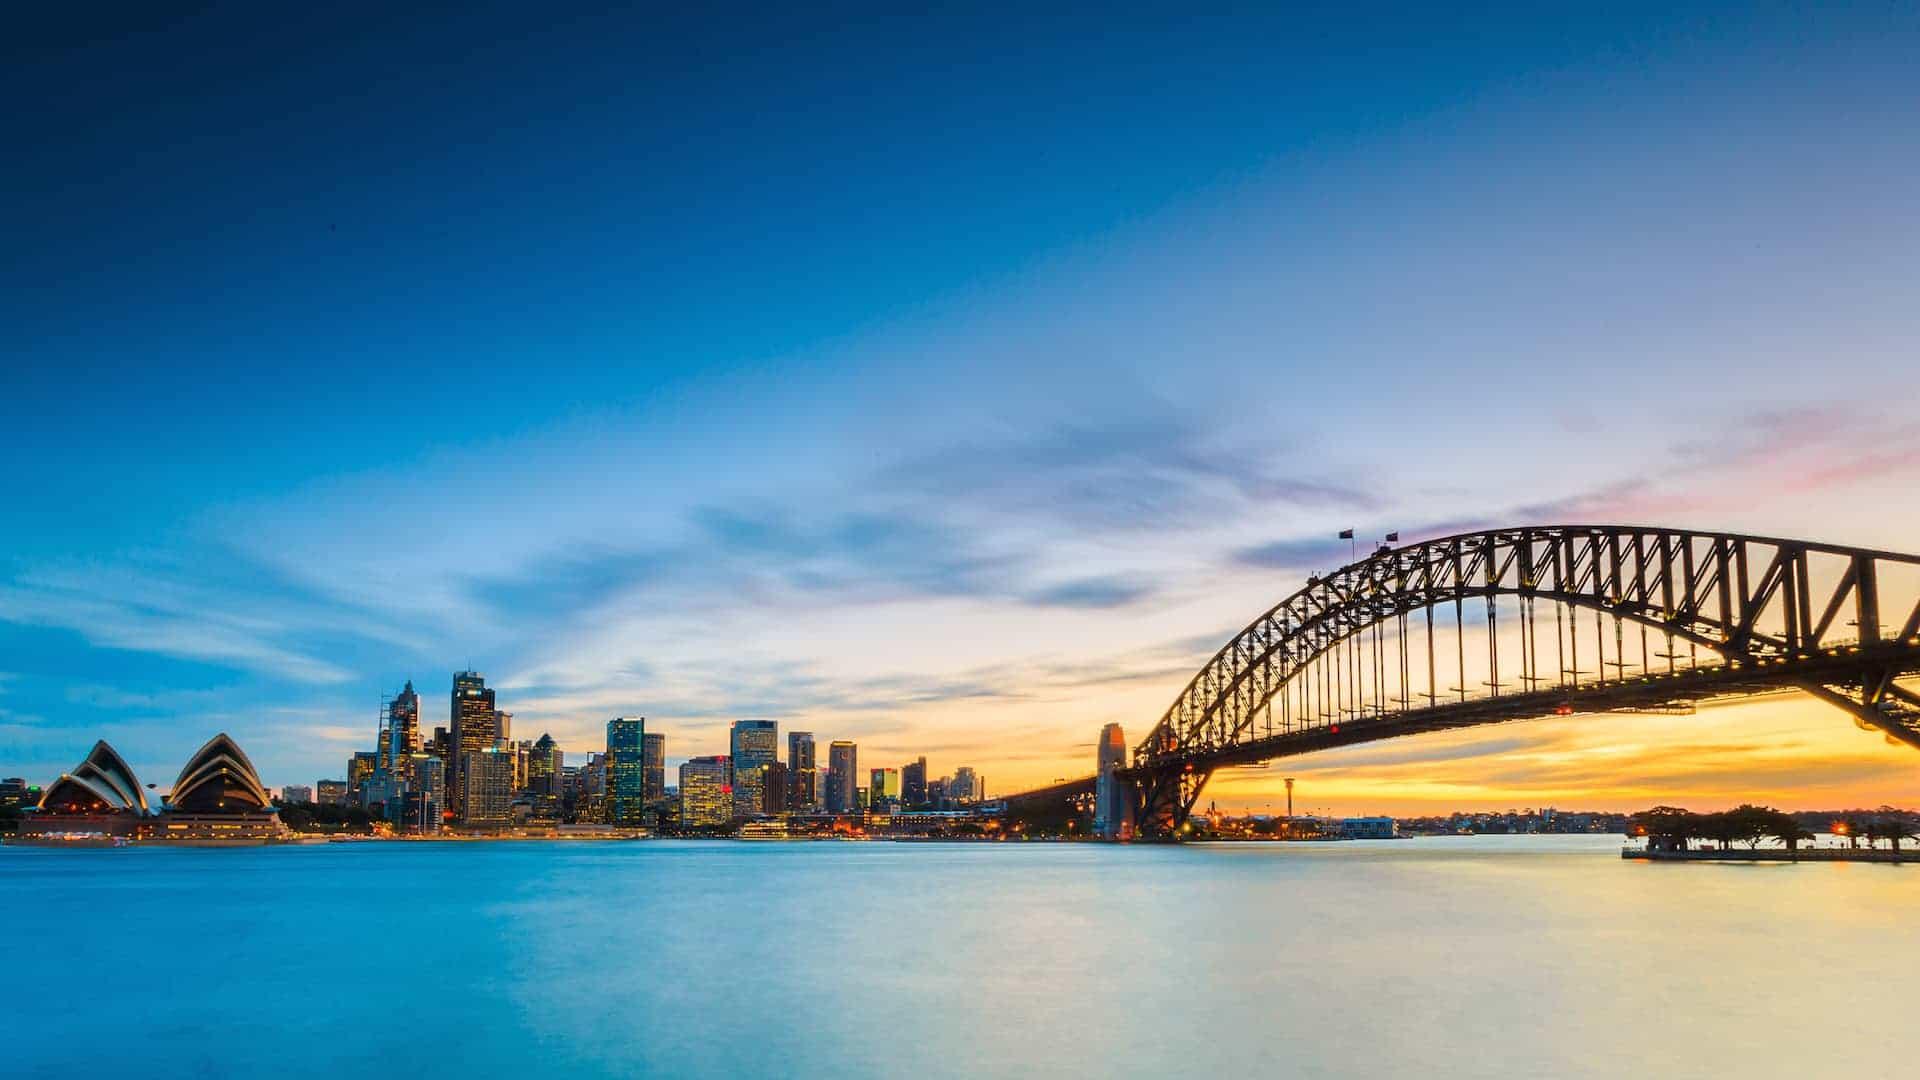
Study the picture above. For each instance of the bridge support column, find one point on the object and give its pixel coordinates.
(1163, 799)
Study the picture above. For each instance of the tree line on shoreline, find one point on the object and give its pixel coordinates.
(1673, 828)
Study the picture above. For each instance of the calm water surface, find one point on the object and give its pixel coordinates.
(1475, 957)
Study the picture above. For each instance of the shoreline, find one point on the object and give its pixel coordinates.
(1862, 855)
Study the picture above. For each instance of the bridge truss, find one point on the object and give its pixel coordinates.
(1509, 624)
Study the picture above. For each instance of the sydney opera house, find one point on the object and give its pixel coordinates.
(217, 799)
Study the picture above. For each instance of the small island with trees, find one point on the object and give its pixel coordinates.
(1762, 834)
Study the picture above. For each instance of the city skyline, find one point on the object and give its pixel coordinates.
(958, 421)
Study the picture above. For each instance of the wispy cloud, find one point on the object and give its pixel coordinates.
(122, 609)
(1097, 592)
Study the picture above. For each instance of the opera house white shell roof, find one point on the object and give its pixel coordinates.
(102, 784)
(218, 779)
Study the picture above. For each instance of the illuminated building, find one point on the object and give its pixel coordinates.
(773, 789)
(425, 802)
(1111, 812)
(591, 803)
(965, 787)
(218, 799)
(380, 794)
(474, 730)
(486, 781)
(330, 792)
(803, 778)
(360, 766)
(755, 745)
(545, 765)
(15, 791)
(101, 797)
(653, 757)
(706, 799)
(294, 794)
(626, 771)
(843, 763)
(913, 783)
(522, 762)
(883, 787)
(402, 728)
(102, 783)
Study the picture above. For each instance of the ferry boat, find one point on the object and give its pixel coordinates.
(764, 830)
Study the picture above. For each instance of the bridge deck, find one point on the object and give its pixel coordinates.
(1643, 692)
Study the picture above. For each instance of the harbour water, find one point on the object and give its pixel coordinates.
(1460, 957)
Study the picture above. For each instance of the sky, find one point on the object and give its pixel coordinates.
(951, 383)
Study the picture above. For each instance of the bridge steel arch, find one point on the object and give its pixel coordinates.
(1753, 615)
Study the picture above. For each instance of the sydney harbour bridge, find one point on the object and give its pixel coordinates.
(1513, 624)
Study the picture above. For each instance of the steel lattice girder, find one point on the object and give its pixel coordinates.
(1722, 591)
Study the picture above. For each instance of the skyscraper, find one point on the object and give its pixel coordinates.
(966, 785)
(803, 780)
(626, 771)
(843, 763)
(756, 745)
(592, 802)
(1110, 809)
(360, 766)
(522, 762)
(487, 779)
(705, 796)
(913, 783)
(773, 793)
(883, 785)
(403, 729)
(544, 766)
(474, 730)
(653, 757)
(426, 794)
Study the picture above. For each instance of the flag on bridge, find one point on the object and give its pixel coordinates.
(1346, 534)
(1393, 538)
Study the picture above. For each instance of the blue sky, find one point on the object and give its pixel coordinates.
(952, 384)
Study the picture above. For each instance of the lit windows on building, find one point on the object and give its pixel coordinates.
(883, 787)
(626, 771)
(486, 780)
(803, 777)
(755, 744)
(843, 764)
(475, 728)
(653, 757)
(546, 764)
(706, 797)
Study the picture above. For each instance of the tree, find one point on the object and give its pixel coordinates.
(1892, 825)
(1667, 828)
(1853, 827)
(318, 817)
(1722, 828)
(1787, 829)
(1748, 823)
